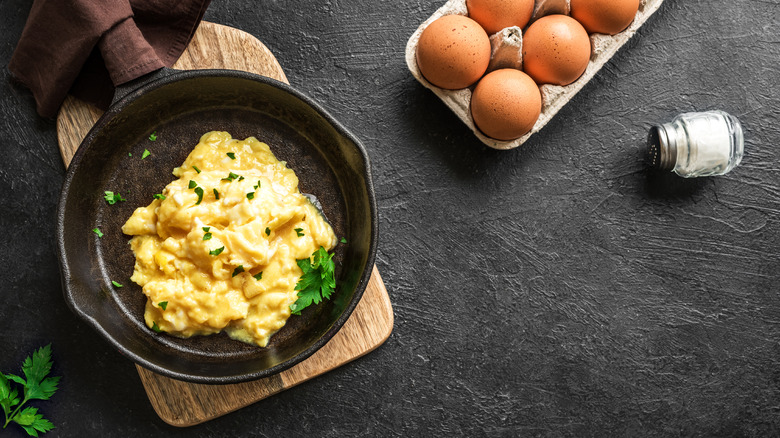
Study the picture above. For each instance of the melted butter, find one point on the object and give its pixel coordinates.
(174, 263)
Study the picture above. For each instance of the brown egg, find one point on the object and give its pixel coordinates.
(494, 15)
(453, 52)
(604, 16)
(556, 50)
(506, 104)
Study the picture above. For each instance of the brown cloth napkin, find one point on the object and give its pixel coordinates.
(87, 47)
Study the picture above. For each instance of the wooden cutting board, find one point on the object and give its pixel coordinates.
(185, 404)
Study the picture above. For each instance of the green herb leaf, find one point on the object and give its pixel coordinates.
(317, 282)
(199, 192)
(155, 327)
(207, 236)
(159, 196)
(116, 284)
(231, 176)
(217, 251)
(258, 184)
(240, 178)
(163, 305)
(98, 232)
(192, 184)
(343, 240)
(112, 198)
(153, 136)
(258, 276)
(250, 195)
(216, 194)
(231, 155)
(239, 269)
(196, 169)
(145, 154)
(206, 229)
(267, 231)
(299, 232)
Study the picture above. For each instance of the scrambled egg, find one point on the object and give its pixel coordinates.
(219, 251)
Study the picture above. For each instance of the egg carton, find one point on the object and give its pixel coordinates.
(554, 97)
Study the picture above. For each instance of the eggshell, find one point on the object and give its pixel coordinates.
(505, 104)
(453, 52)
(494, 15)
(604, 16)
(556, 50)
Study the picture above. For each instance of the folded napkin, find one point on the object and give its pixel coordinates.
(87, 47)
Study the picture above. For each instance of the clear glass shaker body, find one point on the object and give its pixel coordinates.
(697, 144)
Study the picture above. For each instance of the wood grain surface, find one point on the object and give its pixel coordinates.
(185, 404)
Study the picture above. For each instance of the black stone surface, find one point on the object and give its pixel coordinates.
(560, 289)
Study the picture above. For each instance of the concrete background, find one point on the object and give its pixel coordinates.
(560, 289)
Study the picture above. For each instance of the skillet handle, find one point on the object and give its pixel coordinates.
(128, 87)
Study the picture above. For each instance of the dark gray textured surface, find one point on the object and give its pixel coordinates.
(557, 290)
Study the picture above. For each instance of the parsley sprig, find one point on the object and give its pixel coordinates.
(317, 282)
(36, 386)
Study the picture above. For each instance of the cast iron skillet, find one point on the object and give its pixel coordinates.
(180, 106)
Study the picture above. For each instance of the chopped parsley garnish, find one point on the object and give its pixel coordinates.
(258, 185)
(129, 154)
(112, 198)
(231, 176)
(163, 305)
(156, 327)
(258, 276)
(153, 136)
(239, 269)
(267, 231)
(216, 194)
(207, 236)
(317, 282)
(98, 232)
(299, 232)
(192, 184)
(217, 251)
(250, 195)
(231, 155)
(199, 192)
(145, 154)
(206, 229)
(116, 284)
(196, 169)
(159, 196)
(343, 240)
(240, 178)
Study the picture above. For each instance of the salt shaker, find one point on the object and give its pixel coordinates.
(697, 144)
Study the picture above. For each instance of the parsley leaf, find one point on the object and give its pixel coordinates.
(258, 276)
(231, 176)
(317, 282)
(112, 198)
(207, 236)
(36, 386)
(153, 136)
(199, 192)
(163, 305)
(156, 327)
(267, 231)
(239, 269)
(217, 251)
(250, 195)
(231, 155)
(299, 232)
(116, 284)
(145, 154)
(216, 194)
(98, 232)
(192, 184)
(159, 196)
(343, 240)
